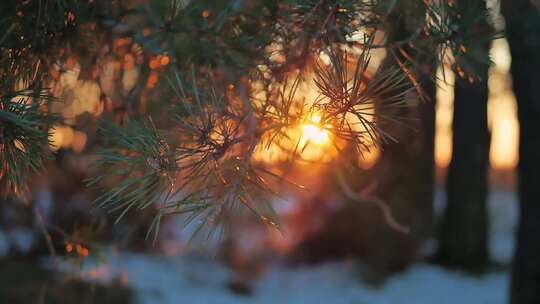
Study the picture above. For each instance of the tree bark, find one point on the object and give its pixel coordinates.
(463, 234)
(523, 34)
(463, 240)
(405, 169)
(405, 173)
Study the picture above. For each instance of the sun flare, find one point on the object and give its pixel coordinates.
(314, 134)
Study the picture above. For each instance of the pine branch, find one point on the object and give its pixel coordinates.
(24, 133)
(358, 95)
(238, 71)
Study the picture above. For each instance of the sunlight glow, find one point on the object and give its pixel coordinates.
(502, 110)
(314, 139)
(309, 139)
(313, 133)
(445, 112)
(502, 113)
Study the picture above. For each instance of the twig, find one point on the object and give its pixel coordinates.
(46, 235)
(366, 197)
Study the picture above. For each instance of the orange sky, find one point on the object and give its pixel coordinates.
(502, 115)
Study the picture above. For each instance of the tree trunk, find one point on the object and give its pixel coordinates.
(463, 235)
(405, 174)
(405, 170)
(523, 32)
(463, 238)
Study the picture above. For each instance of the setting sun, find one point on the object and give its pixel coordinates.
(314, 134)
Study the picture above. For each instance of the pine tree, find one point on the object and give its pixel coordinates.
(523, 32)
(191, 91)
(463, 240)
(405, 170)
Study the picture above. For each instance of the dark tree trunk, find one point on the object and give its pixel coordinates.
(405, 170)
(405, 182)
(463, 239)
(405, 173)
(463, 235)
(523, 32)
(405, 178)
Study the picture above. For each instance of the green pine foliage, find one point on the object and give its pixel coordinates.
(223, 79)
(24, 136)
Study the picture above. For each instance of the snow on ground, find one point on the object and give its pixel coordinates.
(503, 214)
(195, 279)
(165, 280)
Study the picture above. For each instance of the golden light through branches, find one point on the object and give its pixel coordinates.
(314, 132)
